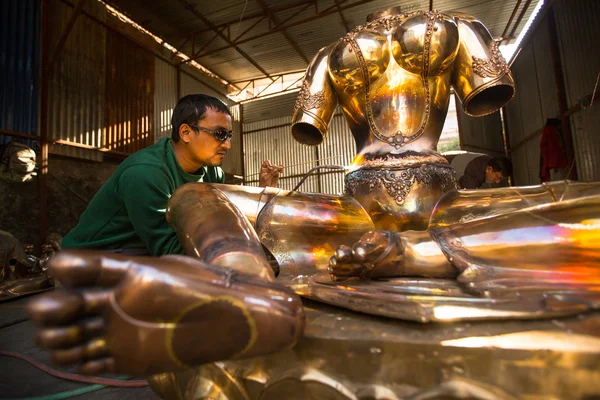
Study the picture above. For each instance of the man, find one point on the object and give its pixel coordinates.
(475, 169)
(128, 214)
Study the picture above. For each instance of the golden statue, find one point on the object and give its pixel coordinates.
(526, 254)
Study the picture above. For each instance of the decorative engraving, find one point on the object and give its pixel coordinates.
(307, 100)
(452, 247)
(493, 68)
(398, 182)
(406, 159)
(398, 139)
(386, 22)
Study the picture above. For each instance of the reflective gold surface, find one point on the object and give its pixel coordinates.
(392, 79)
(346, 355)
(214, 230)
(527, 256)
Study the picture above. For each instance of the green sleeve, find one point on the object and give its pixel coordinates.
(146, 190)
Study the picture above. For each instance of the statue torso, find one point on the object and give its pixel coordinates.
(392, 79)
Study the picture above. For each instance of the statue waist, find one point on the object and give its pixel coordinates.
(409, 159)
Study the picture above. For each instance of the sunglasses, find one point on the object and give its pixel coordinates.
(220, 134)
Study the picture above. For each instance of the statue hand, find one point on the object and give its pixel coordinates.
(368, 258)
(269, 174)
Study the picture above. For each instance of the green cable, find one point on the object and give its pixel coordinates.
(69, 393)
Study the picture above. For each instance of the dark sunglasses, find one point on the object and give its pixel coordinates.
(220, 134)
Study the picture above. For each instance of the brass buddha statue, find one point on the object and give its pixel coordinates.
(468, 256)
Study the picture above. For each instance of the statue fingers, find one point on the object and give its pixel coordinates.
(94, 349)
(68, 336)
(371, 246)
(89, 268)
(339, 271)
(97, 367)
(62, 307)
(343, 254)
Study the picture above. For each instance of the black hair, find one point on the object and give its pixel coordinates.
(192, 108)
(501, 164)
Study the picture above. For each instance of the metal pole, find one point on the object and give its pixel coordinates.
(43, 170)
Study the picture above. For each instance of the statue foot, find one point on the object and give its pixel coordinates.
(371, 256)
(147, 315)
(73, 326)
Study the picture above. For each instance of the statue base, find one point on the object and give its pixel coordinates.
(347, 355)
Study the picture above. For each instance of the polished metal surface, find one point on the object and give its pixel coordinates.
(215, 231)
(476, 263)
(392, 79)
(346, 355)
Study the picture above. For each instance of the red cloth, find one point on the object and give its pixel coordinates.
(552, 152)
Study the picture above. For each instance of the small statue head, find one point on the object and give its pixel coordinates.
(385, 13)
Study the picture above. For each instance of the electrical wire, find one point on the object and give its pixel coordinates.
(75, 377)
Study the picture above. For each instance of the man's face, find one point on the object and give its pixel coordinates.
(492, 176)
(203, 147)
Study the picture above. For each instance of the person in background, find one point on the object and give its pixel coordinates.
(475, 169)
(128, 214)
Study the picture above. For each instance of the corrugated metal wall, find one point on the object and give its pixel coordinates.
(77, 86)
(537, 98)
(19, 68)
(129, 95)
(526, 114)
(270, 108)
(481, 135)
(340, 145)
(271, 139)
(165, 97)
(579, 40)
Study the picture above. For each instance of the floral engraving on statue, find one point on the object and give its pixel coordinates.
(398, 182)
(493, 68)
(307, 100)
(398, 139)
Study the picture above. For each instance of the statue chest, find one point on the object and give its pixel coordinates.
(390, 69)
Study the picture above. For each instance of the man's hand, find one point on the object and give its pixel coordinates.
(269, 174)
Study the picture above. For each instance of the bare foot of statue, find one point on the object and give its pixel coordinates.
(381, 254)
(147, 315)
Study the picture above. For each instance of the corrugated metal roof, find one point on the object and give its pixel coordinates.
(309, 26)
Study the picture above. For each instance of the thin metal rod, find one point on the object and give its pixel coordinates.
(302, 163)
(310, 171)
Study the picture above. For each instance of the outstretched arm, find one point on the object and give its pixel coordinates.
(316, 102)
(481, 77)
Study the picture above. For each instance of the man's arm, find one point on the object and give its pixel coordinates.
(146, 190)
